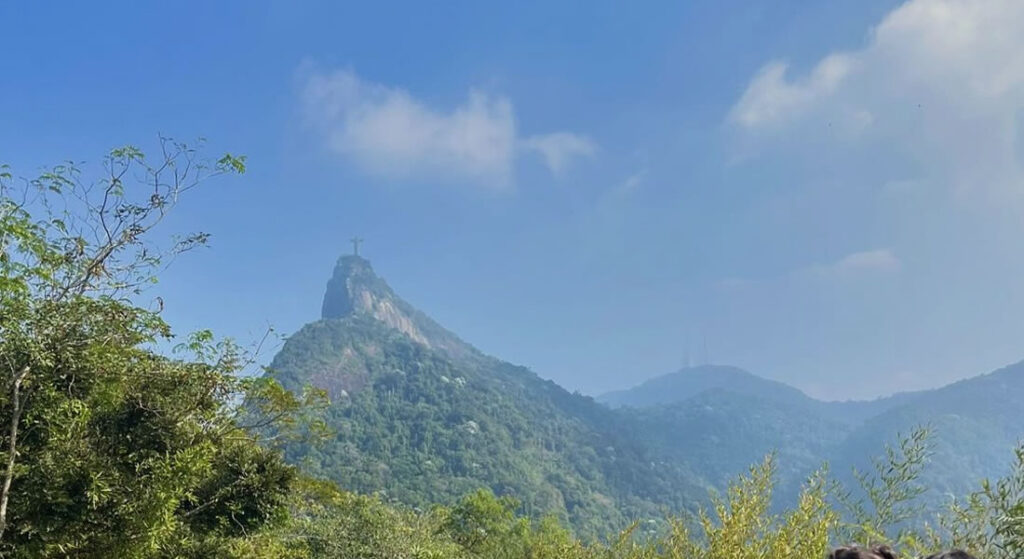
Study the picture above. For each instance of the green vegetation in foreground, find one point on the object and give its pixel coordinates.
(738, 525)
(112, 449)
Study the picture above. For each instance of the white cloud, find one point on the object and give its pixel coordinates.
(939, 84)
(391, 134)
(770, 97)
(560, 148)
(857, 263)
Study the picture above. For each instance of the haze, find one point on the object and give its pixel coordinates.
(826, 194)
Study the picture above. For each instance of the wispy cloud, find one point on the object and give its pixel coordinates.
(857, 263)
(560, 148)
(391, 134)
(854, 266)
(633, 182)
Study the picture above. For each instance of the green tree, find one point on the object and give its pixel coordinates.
(329, 523)
(990, 521)
(885, 506)
(110, 448)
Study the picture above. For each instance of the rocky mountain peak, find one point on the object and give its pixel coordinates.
(353, 288)
(356, 290)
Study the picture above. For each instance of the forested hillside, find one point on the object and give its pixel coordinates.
(720, 418)
(422, 418)
(419, 416)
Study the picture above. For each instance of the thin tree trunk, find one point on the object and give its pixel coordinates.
(12, 447)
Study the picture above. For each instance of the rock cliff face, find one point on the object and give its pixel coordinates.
(355, 290)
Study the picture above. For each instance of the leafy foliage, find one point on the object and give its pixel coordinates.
(739, 524)
(110, 448)
(989, 521)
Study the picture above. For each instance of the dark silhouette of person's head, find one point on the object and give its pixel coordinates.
(955, 554)
(858, 552)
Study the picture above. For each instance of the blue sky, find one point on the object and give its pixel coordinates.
(828, 193)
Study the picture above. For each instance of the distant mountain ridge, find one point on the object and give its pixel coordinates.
(975, 422)
(420, 416)
(691, 381)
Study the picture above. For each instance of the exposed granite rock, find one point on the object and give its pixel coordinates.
(355, 290)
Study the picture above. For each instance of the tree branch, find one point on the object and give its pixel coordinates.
(12, 446)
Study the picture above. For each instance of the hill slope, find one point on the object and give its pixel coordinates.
(976, 423)
(719, 418)
(692, 381)
(422, 417)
